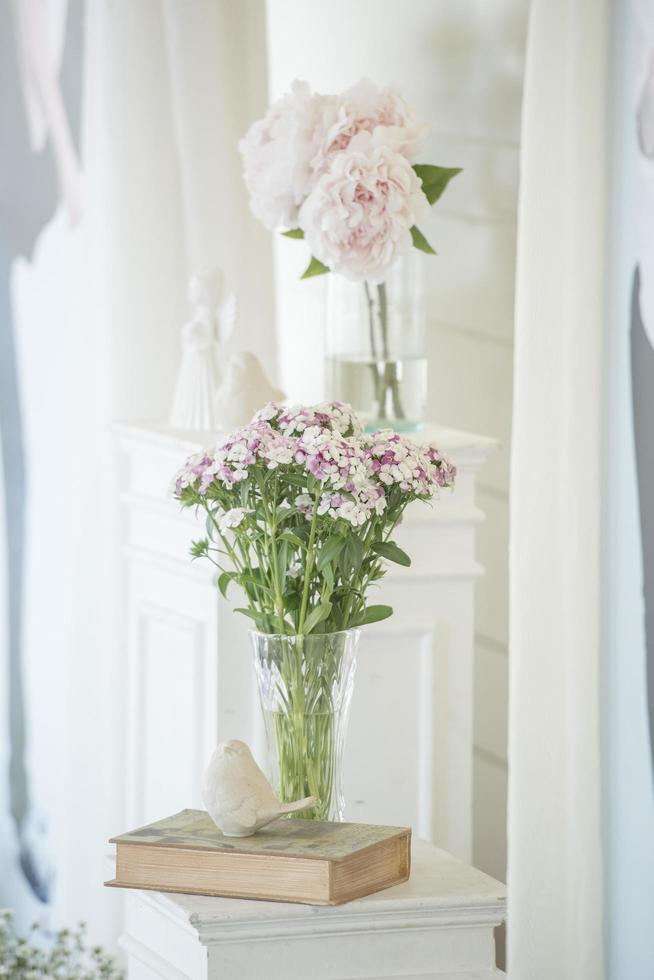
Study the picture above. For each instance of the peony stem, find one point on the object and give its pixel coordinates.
(388, 380)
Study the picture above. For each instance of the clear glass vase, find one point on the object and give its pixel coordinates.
(305, 688)
(375, 343)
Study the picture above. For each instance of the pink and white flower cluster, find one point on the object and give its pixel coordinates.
(339, 167)
(321, 446)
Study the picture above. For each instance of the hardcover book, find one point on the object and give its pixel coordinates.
(290, 860)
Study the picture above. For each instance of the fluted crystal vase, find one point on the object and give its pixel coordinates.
(305, 688)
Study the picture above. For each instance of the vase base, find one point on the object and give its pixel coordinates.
(398, 425)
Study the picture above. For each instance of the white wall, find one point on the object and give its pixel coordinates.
(460, 63)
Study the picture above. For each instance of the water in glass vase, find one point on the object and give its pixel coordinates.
(386, 393)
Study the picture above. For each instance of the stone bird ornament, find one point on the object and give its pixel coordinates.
(237, 795)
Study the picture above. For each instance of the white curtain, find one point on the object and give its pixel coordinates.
(169, 88)
(554, 864)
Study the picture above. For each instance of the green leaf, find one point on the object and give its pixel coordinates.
(373, 614)
(354, 550)
(389, 550)
(245, 578)
(328, 582)
(257, 617)
(292, 539)
(330, 551)
(435, 179)
(314, 268)
(282, 564)
(317, 615)
(293, 233)
(223, 582)
(420, 242)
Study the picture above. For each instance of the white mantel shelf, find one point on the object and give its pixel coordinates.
(436, 926)
(470, 445)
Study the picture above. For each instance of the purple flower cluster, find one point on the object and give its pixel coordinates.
(326, 442)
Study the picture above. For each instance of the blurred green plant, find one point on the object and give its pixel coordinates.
(43, 955)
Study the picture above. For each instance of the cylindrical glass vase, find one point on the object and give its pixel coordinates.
(305, 688)
(376, 347)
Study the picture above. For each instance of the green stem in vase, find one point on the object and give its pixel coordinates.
(375, 366)
(390, 384)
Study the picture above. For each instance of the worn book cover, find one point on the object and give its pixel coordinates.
(318, 862)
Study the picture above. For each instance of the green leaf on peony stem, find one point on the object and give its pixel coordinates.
(293, 233)
(419, 241)
(435, 179)
(390, 551)
(317, 615)
(314, 268)
(373, 614)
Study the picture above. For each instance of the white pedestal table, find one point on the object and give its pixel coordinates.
(436, 926)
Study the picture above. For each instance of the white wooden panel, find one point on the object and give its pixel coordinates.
(492, 599)
(487, 190)
(471, 281)
(491, 698)
(158, 941)
(171, 649)
(470, 387)
(489, 821)
(459, 64)
(388, 758)
(162, 527)
(430, 676)
(171, 689)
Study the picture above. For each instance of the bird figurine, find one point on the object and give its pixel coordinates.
(237, 795)
(244, 389)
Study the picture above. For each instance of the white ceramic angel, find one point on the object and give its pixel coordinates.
(210, 327)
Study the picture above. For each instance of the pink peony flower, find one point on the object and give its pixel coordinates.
(358, 217)
(382, 112)
(278, 150)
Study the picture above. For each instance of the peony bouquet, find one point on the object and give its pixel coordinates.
(300, 508)
(341, 172)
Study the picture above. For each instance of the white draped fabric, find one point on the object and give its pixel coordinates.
(171, 88)
(168, 90)
(554, 863)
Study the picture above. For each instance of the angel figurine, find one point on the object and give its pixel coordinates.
(212, 322)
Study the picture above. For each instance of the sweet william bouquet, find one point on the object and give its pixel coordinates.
(300, 507)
